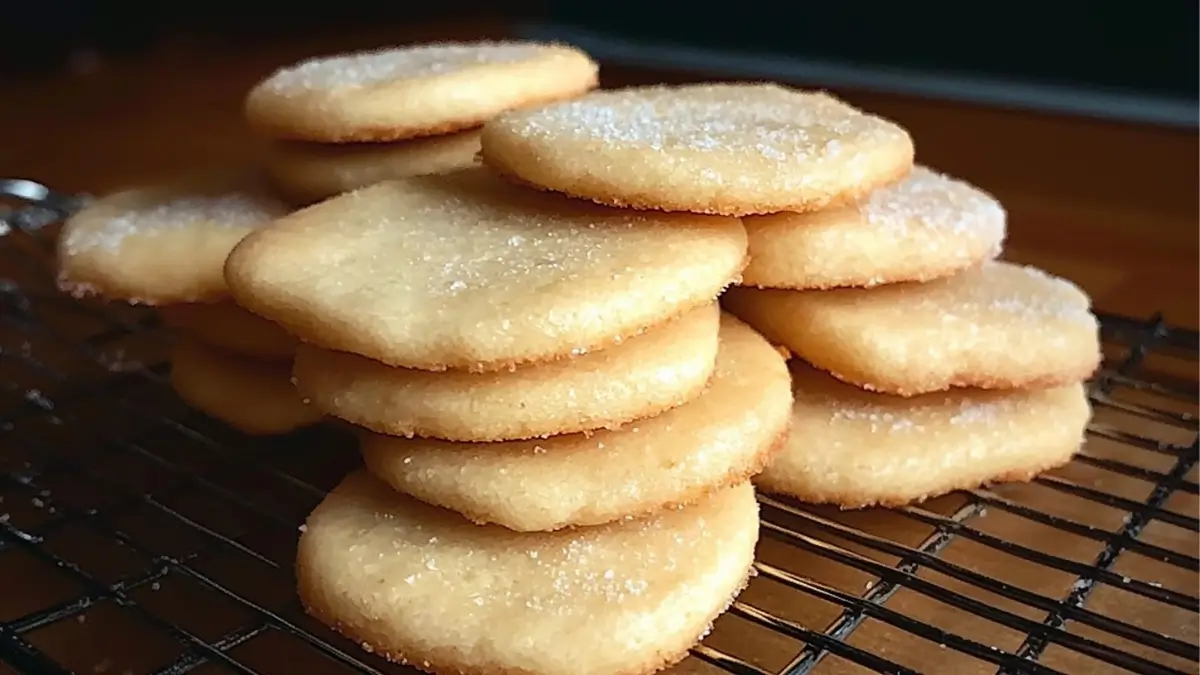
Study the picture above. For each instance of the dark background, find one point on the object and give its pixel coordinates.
(1137, 48)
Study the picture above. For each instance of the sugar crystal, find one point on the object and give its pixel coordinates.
(935, 201)
(775, 123)
(363, 69)
(223, 210)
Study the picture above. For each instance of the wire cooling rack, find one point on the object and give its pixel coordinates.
(138, 536)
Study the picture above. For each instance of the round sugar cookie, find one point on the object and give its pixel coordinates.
(251, 395)
(415, 90)
(420, 585)
(310, 172)
(856, 448)
(224, 324)
(731, 149)
(926, 226)
(995, 326)
(644, 376)
(720, 438)
(465, 270)
(166, 243)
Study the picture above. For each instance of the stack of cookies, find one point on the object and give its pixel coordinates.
(165, 246)
(342, 122)
(923, 363)
(911, 390)
(558, 424)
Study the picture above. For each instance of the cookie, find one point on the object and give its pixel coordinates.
(720, 438)
(466, 270)
(251, 395)
(420, 585)
(855, 448)
(224, 324)
(166, 243)
(924, 227)
(645, 375)
(310, 172)
(415, 90)
(731, 149)
(995, 326)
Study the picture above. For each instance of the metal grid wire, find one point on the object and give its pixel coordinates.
(138, 536)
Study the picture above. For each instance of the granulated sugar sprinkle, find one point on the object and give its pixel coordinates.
(373, 67)
(932, 200)
(229, 210)
(994, 291)
(1047, 297)
(776, 123)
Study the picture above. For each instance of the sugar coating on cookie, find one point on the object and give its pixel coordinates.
(166, 243)
(310, 172)
(466, 270)
(996, 325)
(224, 324)
(923, 227)
(421, 585)
(719, 438)
(249, 394)
(855, 448)
(664, 367)
(732, 149)
(415, 90)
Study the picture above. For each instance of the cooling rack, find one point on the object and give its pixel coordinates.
(138, 536)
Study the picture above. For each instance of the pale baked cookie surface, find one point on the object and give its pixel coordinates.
(411, 91)
(641, 377)
(248, 394)
(466, 270)
(926, 226)
(419, 584)
(855, 448)
(732, 149)
(996, 325)
(163, 244)
(720, 438)
(310, 172)
(224, 324)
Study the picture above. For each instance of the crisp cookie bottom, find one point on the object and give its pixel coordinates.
(446, 666)
(896, 388)
(517, 428)
(511, 365)
(730, 209)
(930, 273)
(380, 134)
(754, 468)
(389, 134)
(247, 393)
(94, 289)
(418, 431)
(848, 501)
